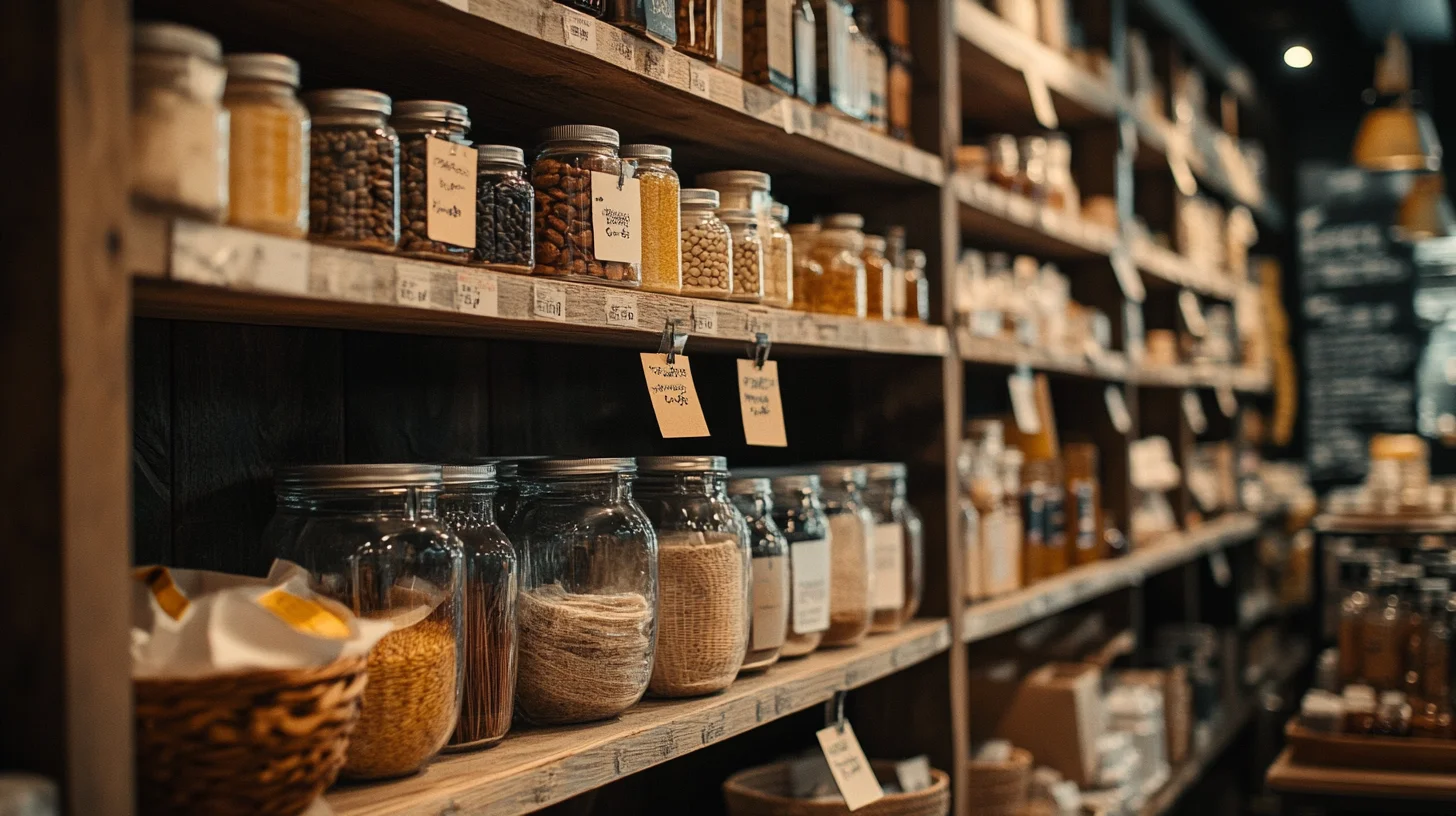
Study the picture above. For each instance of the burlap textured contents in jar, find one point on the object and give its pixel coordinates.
(778, 259)
(410, 704)
(701, 638)
(582, 657)
(851, 547)
(661, 221)
(707, 246)
(841, 287)
(807, 270)
(353, 181)
(880, 276)
(179, 129)
(747, 254)
(268, 148)
(562, 176)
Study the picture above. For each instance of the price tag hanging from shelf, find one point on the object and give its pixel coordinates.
(848, 765)
(759, 401)
(1023, 401)
(670, 386)
(1041, 99)
(1193, 411)
(1128, 278)
(1192, 312)
(1117, 411)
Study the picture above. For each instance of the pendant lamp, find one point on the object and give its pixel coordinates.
(1425, 212)
(1395, 135)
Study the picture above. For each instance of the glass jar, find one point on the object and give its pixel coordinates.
(770, 572)
(1005, 170)
(417, 121)
(834, 23)
(703, 574)
(807, 271)
(799, 513)
(778, 259)
(1014, 523)
(505, 227)
(879, 278)
(806, 53)
(917, 287)
(1062, 193)
(768, 43)
(1084, 504)
(179, 127)
(595, 8)
(467, 509)
(353, 180)
(851, 548)
(653, 19)
(747, 254)
(1354, 581)
(1033, 150)
(267, 146)
(1380, 635)
(570, 159)
(973, 557)
(661, 223)
(899, 546)
(707, 246)
(587, 610)
(700, 28)
(742, 190)
(1033, 490)
(371, 540)
(841, 287)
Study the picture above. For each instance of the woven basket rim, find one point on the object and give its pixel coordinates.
(939, 781)
(1020, 758)
(281, 677)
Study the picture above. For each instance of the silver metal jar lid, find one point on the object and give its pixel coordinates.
(647, 151)
(915, 257)
(501, 154)
(578, 467)
(779, 212)
(174, 38)
(699, 197)
(343, 100)
(468, 474)
(432, 111)
(358, 476)
(875, 242)
(736, 215)
(589, 134)
(749, 485)
(852, 221)
(682, 464)
(796, 481)
(842, 473)
(263, 67)
(734, 178)
(886, 470)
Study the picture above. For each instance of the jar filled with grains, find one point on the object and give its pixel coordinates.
(353, 181)
(707, 246)
(179, 128)
(747, 254)
(879, 278)
(268, 146)
(661, 257)
(841, 288)
(917, 287)
(798, 512)
(778, 259)
(417, 121)
(700, 28)
(807, 270)
(569, 161)
(504, 224)
(899, 546)
(770, 573)
(741, 190)
(851, 550)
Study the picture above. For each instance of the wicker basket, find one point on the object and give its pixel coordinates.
(764, 791)
(262, 743)
(999, 788)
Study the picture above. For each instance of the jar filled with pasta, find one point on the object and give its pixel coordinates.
(747, 254)
(268, 145)
(571, 162)
(707, 246)
(778, 259)
(661, 259)
(851, 548)
(841, 287)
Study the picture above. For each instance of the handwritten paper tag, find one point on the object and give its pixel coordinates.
(450, 192)
(1041, 99)
(1117, 409)
(579, 30)
(1228, 404)
(548, 301)
(1193, 410)
(617, 217)
(1128, 278)
(674, 397)
(847, 763)
(1023, 403)
(1192, 313)
(760, 404)
(913, 774)
(477, 293)
(412, 285)
(621, 310)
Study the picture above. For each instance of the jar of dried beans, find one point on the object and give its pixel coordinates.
(353, 182)
(661, 258)
(778, 259)
(700, 28)
(770, 572)
(505, 226)
(851, 552)
(179, 128)
(899, 563)
(841, 287)
(747, 254)
(707, 246)
(268, 147)
(807, 270)
(424, 223)
(572, 162)
(879, 278)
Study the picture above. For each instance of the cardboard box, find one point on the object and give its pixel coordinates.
(1068, 695)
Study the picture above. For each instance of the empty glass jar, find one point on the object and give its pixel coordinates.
(770, 574)
(899, 546)
(851, 548)
(353, 181)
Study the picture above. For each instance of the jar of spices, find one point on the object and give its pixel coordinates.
(747, 254)
(570, 160)
(353, 182)
(806, 81)
(268, 145)
(851, 548)
(899, 546)
(179, 127)
(880, 278)
(707, 246)
(595, 8)
(372, 541)
(768, 43)
(505, 234)
(467, 509)
(807, 270)
(798, 510)
(917, 287)
(417, 121)
(700, 28)
(778, 259)
(770, 572)
(703, 574)
(661, 223)
(841, 288)
(587, 610)
(1084, 504)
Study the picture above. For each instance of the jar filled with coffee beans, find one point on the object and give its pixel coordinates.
(505, 227)
(562, 175)
(707, 246)
(747, 254)
(353, 181)
(418, 121)
(661, 263)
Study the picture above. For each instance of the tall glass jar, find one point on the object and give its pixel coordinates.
(778, 259)
(417, 121)
(834, 24)
(1084, 504)
(806, 81)
(1014, 523)
(841, 287)
(851, 544)
(807, 271)
(505, 227)
(879, 278)
(700, 28)
(704, 574)
(569, 161)
(917, 287)
(353, 180)
(509, 489)
(747, 254)
(741, 190)
(587, 610)
(768, 43)
(467, 509)
(707, 246)
(179, 128)
(370, 539)
(770, 576)
(899, 548)
(268, 146)
(595, 8)
(798, 511)
(661, 221)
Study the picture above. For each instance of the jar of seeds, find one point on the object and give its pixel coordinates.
(268, 149)
(417, 121)
(707, 246)
(505, 226)
(661, 258)
(747, 254)
(770, 575)
(570, 160)
(353, 181)
(179, 128)
(807, 270)
(778, 259)
(841, 288)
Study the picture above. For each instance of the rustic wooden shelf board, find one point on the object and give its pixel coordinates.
(1290, 777)
(990, 215)
(1164, 266)
(988, 351)
(533, 768)
(1203, 375)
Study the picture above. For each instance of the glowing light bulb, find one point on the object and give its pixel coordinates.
(1297, 56)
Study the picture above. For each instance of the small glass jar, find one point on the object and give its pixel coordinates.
(353, 180)
(807, 271)
(587, 610)
(704, 574)
(700, 28)
(505, 227)
(879, 278)
(179, 127)
(768, 43)
(1033, 150)
(417, 121)
(661, 220)
(747, 254)
(1005, 169)
(563, 174)
(268, 145)
(899, 548)
(371, 540)
(806, 81)
(917, 287)
(771, 582)
(841, 287)
(595, 8)
(778, 259)
(851, 543)
(707, 246)
(798, 510)
(467, 509)
(1084, 504)
(741, 190)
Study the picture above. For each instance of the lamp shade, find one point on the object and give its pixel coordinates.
(1397, 138)
(1425, 212)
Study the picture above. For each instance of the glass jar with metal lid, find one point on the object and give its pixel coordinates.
(703, 574)
(899, 547)
(747, 254)
(467, 509)
(268, 145)
(509, 488)
(179, 127)
(369, 537)
(841, 287)
(587, 610)
(353, 181)
(879, 278)
(700, 28)
(851, 550)
(778, 259)
(417, 121)
(570, 160)
(707, 246)
(661, 259)
(741, 190)
(770, 571)
(505, 234)
(798, 512)
(807, 271)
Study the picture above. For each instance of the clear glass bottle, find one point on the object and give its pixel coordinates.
(1083, 503)
(1033, 151)
(833, 65)
(268, 145)
(179, 127)
(798, 511)
(899, 549)
(771, 581)
(851, 545)
(1433, 715)
(778, 259)
(505, 234)
(704, 574)
(707, 246)
(879, 278)
(700, 28)
(807, 272)
(371, 540)
(353, 180)
(841, 288)
(417, 121)
(569, 161)
(661, 217)
(806, 52)
(467, 510)
(1005, 170)
(587, 609)
(747, 254)
(917, 287)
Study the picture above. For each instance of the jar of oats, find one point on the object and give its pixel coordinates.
(707, 246)
(841, 287)
(747, 254)
(661, 260)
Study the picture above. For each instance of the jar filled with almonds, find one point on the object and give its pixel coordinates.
(841, 287)
(778, 259)
(707, 246)
(570, 160)
(747, 254)
(807, 271)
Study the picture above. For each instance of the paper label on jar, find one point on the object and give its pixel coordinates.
(616, 218)
(809, 570)
(770, 601)
(779, 25)
(760, 404)
(450, 192)
(847, 763)
(674, 397)
(889, 580)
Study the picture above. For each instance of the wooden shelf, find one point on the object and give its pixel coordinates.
(994, 216)
(190, 271)
(1214, 160)
(534, 768)
(1162, 265)
(1199, 375)
(987, 351)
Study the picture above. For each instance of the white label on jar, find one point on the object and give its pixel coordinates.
(705, 319)
(412, 285)
(579, 30)
(621, 310)
(809, 569)
(889, 580)
(770, 601)
(450, 192)
(780, 36)
(548, 300)
(477, 293)
(616, 217)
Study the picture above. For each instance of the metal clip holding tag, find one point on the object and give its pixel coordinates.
(673, 341)
(761, 346)
(834, 711)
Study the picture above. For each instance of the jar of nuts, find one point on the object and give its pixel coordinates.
(768, 43)
(778, 259)
(747, 254)
(879, 278)
(841, 287)
(700, 28)
(661, 262)
(505, 227)
(353, 180)
(417, 121)
(807, 271)
(569, 161)
(707, 246)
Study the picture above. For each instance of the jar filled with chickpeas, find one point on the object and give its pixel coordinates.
(778, 259)
(807, 271)
(747, 254)
(841, 286)
(707, 246)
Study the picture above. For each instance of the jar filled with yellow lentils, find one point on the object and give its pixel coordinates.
(661, 255)
(841, 287)
(268, 145)
(807, 271)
